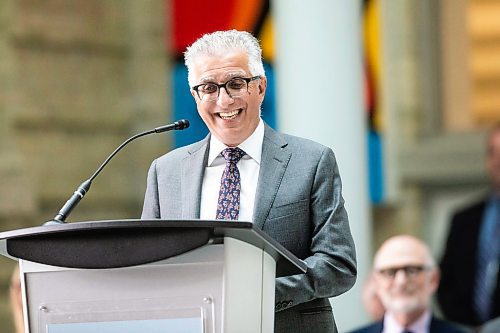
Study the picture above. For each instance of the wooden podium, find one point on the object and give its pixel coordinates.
(134, 276)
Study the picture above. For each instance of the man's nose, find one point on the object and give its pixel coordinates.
(224, 98)
(400, 276)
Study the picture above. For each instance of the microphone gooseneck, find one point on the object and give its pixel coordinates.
(85, 186)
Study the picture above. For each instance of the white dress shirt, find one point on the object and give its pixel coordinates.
(421, 325)
(249, 167)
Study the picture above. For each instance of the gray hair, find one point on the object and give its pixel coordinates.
(220, 42)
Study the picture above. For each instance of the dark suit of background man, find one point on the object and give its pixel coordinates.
(469, 292)
(290, 187)
(406, 277)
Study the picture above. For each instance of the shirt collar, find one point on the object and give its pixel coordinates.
(252, 146)
(422, 324)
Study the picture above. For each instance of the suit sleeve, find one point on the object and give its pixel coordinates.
(332, 261)
(458, 268)
(151, 209)
(447, 289)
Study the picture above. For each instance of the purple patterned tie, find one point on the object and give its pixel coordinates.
(228, 206)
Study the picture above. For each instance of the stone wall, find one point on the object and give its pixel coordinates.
(77, 77)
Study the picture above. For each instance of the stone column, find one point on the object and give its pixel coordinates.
(149, 84)
(17, 204)
(320, 96)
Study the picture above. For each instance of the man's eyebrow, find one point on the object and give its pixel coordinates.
(235, 74)
(228, 76)
(207, 79)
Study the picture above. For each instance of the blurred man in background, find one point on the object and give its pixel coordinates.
(406, 277)
(16, 301)
(491, 326)
(371, 301)
(469, 292)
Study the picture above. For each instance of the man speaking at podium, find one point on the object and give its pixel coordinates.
(243, 170)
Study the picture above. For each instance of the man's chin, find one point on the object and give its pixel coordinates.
(404, 306)
(230, 136)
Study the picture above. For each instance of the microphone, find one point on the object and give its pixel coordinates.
(85, 186)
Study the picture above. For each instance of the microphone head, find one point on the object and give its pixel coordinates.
(181, 124)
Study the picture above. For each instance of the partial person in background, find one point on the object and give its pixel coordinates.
(469, 292)
(16, 301)
(406, 277)
(371, 301)
(491, 326)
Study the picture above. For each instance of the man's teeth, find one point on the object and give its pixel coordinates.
(228, 115)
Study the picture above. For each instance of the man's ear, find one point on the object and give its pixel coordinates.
(262, 85)
(435, 279)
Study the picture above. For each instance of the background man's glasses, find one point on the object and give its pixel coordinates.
(236, 87)
(409, 271)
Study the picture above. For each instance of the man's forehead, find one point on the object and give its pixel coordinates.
(398, 254)
(399, 261)
(206, 62)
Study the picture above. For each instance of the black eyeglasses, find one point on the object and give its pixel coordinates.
(409, 271)
(236, 87)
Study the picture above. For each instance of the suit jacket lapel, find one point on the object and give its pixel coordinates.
(193, 167)
(274, 160)
(378, 327)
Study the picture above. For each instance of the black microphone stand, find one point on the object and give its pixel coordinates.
(85, 186)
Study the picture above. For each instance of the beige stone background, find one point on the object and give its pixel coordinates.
(77, 78)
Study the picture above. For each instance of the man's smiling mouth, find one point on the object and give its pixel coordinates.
(229, 115)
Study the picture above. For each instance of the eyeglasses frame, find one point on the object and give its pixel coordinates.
(224, 85)
(390, 277)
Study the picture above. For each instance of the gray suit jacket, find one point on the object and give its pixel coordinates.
(298, 203)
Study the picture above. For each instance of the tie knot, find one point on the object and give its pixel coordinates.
(233, 155)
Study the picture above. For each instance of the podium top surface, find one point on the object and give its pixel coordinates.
(123, 243)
